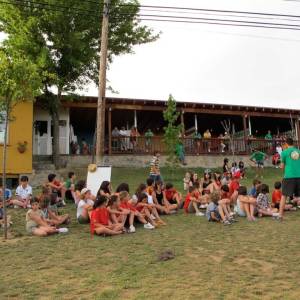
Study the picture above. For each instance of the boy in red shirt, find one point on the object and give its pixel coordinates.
(234, 187)
(276, 198)
(192, 202)
(100, 222)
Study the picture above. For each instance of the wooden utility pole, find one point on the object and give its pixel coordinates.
(100, 136)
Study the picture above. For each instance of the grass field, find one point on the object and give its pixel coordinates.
(242, 261)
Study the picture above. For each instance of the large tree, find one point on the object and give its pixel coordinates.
(63, 38)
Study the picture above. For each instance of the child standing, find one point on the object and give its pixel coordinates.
(100, 222)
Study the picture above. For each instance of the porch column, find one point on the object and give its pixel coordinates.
(109, 131)
(182, 122)
(196, 123)
(135, 119)
(250, 127)
(245, 131)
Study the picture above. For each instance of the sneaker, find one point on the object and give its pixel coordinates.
(226, 222)
(233, 220)
(203, 206)
(16, 206)
(131, 229)
(152, 217)
(28, 206)
(148, 226)
(275, 215)
(199, 214)
(63, 230)
(232, 214)
(63, 202)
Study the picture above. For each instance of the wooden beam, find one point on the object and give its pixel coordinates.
(109, 131)
(245, 130)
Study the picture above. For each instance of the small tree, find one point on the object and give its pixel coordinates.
(172, 132)
(19, 81)
(230, 129)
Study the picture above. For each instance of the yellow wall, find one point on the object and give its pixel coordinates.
(20, 130)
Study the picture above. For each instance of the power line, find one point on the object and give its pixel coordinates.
(220, 23)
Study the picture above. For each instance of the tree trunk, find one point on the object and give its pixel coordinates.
(55, 141)
(4, 169)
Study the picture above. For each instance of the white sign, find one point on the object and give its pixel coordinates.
(95, 179)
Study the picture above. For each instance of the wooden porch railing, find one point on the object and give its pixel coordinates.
(143, 145)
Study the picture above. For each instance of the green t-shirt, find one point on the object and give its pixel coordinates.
(268, 136)
(291, 159)
(68, 183)
(258, 156)
(149, 134)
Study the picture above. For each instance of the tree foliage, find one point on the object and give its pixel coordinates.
(172, 131)
(63, 38)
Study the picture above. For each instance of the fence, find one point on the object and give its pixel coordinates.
(192, 146)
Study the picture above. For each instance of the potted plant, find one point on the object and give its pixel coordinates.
(22, 147)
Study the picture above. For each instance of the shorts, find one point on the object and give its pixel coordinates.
(82, 220)
(217, 215)
(238, 210)
(291, 187)
(31, 228)
(191, 208)
(260, 164)
(172, 201)
(277, 205)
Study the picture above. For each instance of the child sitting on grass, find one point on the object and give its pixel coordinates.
(245, 205)
(118, 215)
(276, 198)
(105, 189)
(9, 222)
(100, 222)
(192, 202)
(70, 186)
(23, 194)
(134, 213)
(214, 211)
(263, 204)
(253, 191)
(148, 210)
(36, 223)
(58, 188)
(84, 207)
(171, 196)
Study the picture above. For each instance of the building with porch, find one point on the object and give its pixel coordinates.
(78, 123)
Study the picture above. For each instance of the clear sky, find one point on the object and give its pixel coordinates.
(218, 64)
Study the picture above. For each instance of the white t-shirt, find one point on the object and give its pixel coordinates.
(81, 204)
(24, 192)
(279, 150)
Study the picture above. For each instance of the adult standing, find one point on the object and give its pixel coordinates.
(154, 167)
(290, 162)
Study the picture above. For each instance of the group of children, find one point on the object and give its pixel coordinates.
(217, 195)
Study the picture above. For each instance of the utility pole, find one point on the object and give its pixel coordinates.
(100, 136)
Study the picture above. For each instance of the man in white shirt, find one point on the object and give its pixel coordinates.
(23, 194)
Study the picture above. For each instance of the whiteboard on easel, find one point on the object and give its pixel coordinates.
(95, 179)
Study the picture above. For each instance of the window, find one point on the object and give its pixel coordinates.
(2, 127)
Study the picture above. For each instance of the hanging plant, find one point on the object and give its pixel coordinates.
(22, 147)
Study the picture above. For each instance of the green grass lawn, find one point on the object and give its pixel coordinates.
(242, 261)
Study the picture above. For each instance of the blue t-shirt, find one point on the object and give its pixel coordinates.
(212, 207)
(253, 192)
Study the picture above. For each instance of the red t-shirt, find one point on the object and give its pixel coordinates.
(276, 196)
(99, 215)
(187, 202)
(170, 194)
(225, 195)
(234, 186)
(127, 205)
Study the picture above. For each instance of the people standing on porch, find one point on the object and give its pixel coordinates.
(222, 144)
(154, 167)
(134, 135)
(206, 136)
(124, 139)
(269, 137)
(180, 152)
(148, 142)
(197, 138)
(85, 147)
(115, 134)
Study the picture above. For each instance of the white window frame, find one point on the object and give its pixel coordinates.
(2, 128)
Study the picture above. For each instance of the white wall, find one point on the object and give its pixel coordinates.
(42, 145)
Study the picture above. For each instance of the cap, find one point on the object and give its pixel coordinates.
(84, 191)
